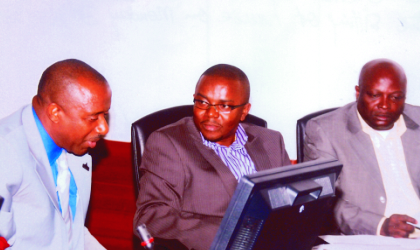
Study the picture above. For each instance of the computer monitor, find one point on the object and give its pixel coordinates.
(280, 208)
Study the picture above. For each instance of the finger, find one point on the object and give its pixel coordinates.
(407, 228)
(402, 218)
(410, 219)
(402, 230)
(397, 233)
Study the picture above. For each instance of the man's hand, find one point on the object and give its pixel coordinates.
(397, 227)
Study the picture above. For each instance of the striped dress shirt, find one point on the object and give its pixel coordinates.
(235, 156)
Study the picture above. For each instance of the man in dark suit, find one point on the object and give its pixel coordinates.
(45, 173)
(192, 167)
(377, 140)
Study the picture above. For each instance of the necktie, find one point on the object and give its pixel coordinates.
(63, 185)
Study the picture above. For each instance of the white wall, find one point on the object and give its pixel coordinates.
(300, 56)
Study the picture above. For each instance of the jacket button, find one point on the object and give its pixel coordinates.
(382, 199)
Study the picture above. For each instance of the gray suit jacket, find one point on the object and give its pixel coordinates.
(30, 217)
(186, 188)
(339, 135)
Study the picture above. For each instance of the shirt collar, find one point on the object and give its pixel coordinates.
(399, 126)
(240, 139)
(53, 151)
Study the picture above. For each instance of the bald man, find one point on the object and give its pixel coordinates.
(377, 140)
(45, 173)
(191, 168)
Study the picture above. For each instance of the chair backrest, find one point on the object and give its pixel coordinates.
(329, 226)
(300, 131)
(142, 128)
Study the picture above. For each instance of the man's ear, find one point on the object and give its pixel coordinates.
(357, 92)
(245, 111)
(53, 112)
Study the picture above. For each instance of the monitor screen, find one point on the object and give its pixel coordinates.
(280, 208)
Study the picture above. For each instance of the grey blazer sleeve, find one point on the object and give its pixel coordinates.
(10, 179)
(350, 216)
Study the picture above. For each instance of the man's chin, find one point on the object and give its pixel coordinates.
(79, 151)
(211, 137)
(382, 125)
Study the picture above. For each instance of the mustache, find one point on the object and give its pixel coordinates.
(212, 122)
(96, 138)
(382, 114)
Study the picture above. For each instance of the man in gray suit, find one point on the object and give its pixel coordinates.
(45, 174)
(192, 167)
(377, 140)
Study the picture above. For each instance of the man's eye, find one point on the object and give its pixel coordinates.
(202, 103)
(397, 98)
(223, 107)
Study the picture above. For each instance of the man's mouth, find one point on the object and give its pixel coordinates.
(92, 142)
(382, 117)
(210, 126)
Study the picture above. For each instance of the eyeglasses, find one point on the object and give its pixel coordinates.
(224, 108)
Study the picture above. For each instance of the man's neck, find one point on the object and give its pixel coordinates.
(53, 151)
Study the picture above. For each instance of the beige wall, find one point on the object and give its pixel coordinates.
(300, 56)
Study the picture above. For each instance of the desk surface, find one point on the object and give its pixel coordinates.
(367, 242)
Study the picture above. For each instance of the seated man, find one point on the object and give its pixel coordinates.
(377, 140)
(192, 167)
(45, 174)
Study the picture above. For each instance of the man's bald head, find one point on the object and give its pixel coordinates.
(230, 72)
(382, 68)
(381, 93)
(58, 77)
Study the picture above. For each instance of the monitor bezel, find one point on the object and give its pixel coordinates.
(260, 180)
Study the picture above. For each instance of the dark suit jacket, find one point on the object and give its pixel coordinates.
(186, 188)
(339, 135)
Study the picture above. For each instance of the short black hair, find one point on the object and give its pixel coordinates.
(232, 73)
(56, 76)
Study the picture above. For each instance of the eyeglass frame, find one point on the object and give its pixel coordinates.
(232, 107)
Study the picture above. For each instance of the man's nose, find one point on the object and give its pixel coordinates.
(212, 111)
(384, 102)
(102, 127)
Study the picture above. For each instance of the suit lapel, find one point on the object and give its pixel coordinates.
(228, 179)
(411, 145)
(222, 170)
(256, 150)
(362, 145)
(36, 146)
